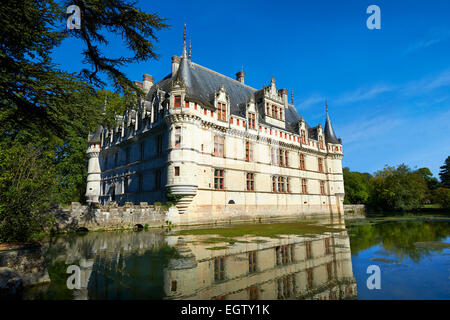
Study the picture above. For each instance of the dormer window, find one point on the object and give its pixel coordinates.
(321, 142)
(303, 134)
(267, 109)
(251, 120)
(222, 111)
(281, 113)
(177, 103)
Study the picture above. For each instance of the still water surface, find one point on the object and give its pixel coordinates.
(295, 260)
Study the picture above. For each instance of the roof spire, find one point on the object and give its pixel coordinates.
(330, 136)
(190, 48)
(292, 96)
(184, 42)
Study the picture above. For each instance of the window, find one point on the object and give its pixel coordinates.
(274, 184)
(303, 135)
(321, 142)
(177, 171)
(280, 184)
(304, 187)
(302, 161)
(250, 182)
(218, 179)
(219, 268)
(284, 254)
(330, 271)
(320, 162)
(310, 277)
(281, 113)
(219, 146)
(222, 111)
(252, 262)
(253, 293)
(286, 158)
(159, 145)
(322, 188)
(288, 185)
(186, 104)
(142, 151)
(177, 137)
(281, 157)
(267, 109)
(251, 120)
(177, 103)
(308, 245)
(248, 151)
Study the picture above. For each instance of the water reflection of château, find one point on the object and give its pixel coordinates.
(145, 266)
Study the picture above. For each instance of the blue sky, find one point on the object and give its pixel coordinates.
(388, 90)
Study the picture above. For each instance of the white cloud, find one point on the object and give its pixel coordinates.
(363, 94)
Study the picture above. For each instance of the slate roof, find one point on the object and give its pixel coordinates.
(330, 137)
(201, 84)
(97, 136)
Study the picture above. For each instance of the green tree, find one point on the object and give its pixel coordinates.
(444, 174)
(442, 197)
(47, 113)
(27, 182)
(356, 187)
(432, 183)
(397, 189)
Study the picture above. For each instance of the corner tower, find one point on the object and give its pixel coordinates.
(94, 173)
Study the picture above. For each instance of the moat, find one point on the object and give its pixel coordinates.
(285, 260)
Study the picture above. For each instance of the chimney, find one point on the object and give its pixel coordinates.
(138, 84)
(240, 76)
(147, 82)
(175, 64)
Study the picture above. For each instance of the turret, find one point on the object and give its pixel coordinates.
(330, 137)
(93, 176)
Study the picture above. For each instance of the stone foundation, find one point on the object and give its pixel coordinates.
(233, 212)
(110, 216)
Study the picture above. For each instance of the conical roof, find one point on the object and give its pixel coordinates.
(330, 136)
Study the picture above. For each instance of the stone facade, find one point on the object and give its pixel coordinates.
(226, 149)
